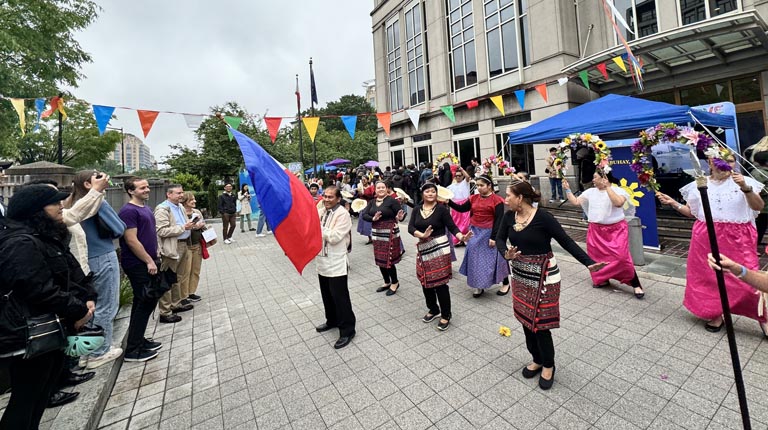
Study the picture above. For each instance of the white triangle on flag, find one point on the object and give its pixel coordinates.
(193, 121)
(562, 81)
(414, 115)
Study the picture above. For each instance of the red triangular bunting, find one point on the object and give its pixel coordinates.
(471, 104)
(603, 69)
(147, 118)
(273, 124)
(385, 119)
(542, 89)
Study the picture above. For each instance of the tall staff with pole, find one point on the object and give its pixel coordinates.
(314, 100)
(298, 121)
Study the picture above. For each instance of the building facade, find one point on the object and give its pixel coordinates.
(137, 155)
(433, 53)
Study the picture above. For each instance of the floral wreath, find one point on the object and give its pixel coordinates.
(670, 133)
(443, 155)
(559, 162)
(602, 152)
(500, 163)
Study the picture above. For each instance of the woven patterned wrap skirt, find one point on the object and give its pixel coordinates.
(387, 246)
(433, 262)
(536, 291)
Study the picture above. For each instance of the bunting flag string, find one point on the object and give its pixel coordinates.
(311, 123)
(102, 114)
(542, 90)
(584, 75)
(448, 111)
(39, 107)
(350, 122)
(234, 122)
(498, 101)
(414, 115)
(193, 121)
(273, 125)
(472, 104)
(147, 119)
(57, 104)
(620, 62)
(520, 94)
(603, 69)
(18, 104)
(385, 119)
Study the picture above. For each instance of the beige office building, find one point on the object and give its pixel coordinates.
(431, 53)
(137, 154)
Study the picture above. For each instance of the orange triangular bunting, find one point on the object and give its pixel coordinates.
(385, 119)
(542, 89)
(273, 125)
(147, 119)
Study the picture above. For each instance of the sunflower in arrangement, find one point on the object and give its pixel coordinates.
(602, 152)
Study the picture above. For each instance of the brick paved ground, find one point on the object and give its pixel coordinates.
(248, 357)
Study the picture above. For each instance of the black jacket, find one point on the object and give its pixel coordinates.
(41, 275)
(227, 203)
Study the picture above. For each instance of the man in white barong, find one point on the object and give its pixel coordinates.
(333, 267)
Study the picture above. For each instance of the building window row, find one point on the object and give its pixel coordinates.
(394, 66)
(414, 48)
(507, 31)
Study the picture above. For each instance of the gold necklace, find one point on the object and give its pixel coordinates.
(426, 213)
(518, 226)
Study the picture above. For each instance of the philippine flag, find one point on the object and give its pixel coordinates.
(286, 203)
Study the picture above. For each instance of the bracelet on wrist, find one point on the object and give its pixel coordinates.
(743, 273)
(568, 191)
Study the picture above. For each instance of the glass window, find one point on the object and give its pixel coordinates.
(462, 34)
(705, 94)
(394, 66)
(422, 154)
(746, 90)
(398, 157)
(507, 33)
(466, 150)
(416, 89)
(698, 10)
(640, 16)
(666, 97)
(518, 156)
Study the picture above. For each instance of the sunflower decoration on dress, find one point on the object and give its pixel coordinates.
(602, 152)
(642, 149)
(495, 161)
(632, 191)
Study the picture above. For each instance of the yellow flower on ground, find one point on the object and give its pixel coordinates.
(631, 189)
(505, 331)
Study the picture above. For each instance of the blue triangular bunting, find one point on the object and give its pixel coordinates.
(103, 115)
(520, 94)
(39, 107)
(350, 122)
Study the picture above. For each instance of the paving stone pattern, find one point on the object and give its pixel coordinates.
(248, 357)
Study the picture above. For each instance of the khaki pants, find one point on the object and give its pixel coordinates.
(195, 261)
(172, 297)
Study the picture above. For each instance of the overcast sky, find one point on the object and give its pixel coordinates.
(186, 56)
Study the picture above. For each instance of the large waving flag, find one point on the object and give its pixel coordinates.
(286, 203)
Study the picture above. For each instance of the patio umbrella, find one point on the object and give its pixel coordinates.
(338, 162)
(371, 163)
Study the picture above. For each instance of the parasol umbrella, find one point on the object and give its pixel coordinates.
(337, 162)
(371, 163)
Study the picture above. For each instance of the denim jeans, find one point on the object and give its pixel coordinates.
(557, 188)
(262, 221)
(106, 282)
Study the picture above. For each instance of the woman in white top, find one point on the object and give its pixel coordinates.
(460, 189)
(735, 201)
(245, 208)
(608, 233)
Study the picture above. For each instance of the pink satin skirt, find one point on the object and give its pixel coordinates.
(461, 219)
(739, 243)
(609, 243)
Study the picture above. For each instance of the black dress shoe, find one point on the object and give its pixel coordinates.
(60, 398)
(382, 288)
(546, 384)
(390, 291)
(478, 293)
(343, 341)
(169, 319)
(713, 328)
(77, 378)
(528, 373)
(503, 293)
(324, 327)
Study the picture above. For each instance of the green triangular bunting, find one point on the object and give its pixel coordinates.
(584, 78)
(448, 111)
(233, 122)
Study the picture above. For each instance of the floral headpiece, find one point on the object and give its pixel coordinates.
(602, 153)
(719, 155)
(499, 162)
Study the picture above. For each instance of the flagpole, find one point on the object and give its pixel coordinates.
(298, 120)
(61, 145)
(312, 99)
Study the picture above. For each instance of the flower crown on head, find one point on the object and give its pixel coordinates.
(719, 155)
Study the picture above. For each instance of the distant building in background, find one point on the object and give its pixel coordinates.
(137, 155)
(370, 91)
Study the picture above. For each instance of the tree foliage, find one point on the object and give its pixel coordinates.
(82, 145)
(38, 54)
(188, 181)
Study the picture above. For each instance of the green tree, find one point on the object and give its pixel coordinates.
(38, 54)
(81, 144)
(188, 181)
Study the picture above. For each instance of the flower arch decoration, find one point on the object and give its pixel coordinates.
(578, 140)
(671, 133)
(498, 162)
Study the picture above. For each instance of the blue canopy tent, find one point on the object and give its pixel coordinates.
(614, 114)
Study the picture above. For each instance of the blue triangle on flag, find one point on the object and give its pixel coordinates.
(350, 122)
(520, 94)
(103, 115)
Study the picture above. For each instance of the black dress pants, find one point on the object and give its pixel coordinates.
(540, 346)
(141, 310)
(389, 275)
(32, 382)
(439, 294)
(338, 307)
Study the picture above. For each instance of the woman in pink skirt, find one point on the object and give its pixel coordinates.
(735, 202)
(608, 233)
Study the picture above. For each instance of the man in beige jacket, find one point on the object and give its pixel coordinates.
(173, 234)
(333, 267)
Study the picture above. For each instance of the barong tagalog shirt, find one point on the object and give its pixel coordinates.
(726, 199)
(332, 261)
(599, 208)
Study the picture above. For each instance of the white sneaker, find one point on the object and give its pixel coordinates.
(231, 240)
(562, 200)
(111, 355)
(227, 241)
(261, 235)
(269, 231)
(551, 200)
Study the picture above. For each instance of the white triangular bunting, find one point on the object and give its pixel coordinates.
(562, 81)
(414, 115)
(193, 121)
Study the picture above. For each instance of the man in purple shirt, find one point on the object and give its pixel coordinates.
(138, 249)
